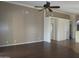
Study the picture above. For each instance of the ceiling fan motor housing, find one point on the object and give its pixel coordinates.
(47, 5)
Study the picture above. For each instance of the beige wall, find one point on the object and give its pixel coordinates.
(61, 15)
(77, 17)
(58, 14)
(22, 26)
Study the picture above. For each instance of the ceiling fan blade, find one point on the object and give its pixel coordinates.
(50, 9)
(54, 6)
(39, 6)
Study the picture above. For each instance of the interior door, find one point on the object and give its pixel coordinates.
(62, 29)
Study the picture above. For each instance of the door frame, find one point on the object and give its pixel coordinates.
(49, 35)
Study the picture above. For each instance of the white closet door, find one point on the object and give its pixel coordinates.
(62, 29)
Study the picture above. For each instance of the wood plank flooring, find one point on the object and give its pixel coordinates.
(40, 50)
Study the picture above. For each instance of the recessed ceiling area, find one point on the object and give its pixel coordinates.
(66, 6)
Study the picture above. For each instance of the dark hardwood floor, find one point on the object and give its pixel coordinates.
(40, 50)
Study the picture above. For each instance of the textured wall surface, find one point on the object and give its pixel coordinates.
(21, 24)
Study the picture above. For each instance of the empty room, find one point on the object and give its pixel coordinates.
(39, 29)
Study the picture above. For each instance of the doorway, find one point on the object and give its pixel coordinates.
(53, 29)
(56, 29)
(70, 35)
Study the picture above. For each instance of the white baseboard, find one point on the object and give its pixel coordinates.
(20, 43)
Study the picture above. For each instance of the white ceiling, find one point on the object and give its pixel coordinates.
(66, 6)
